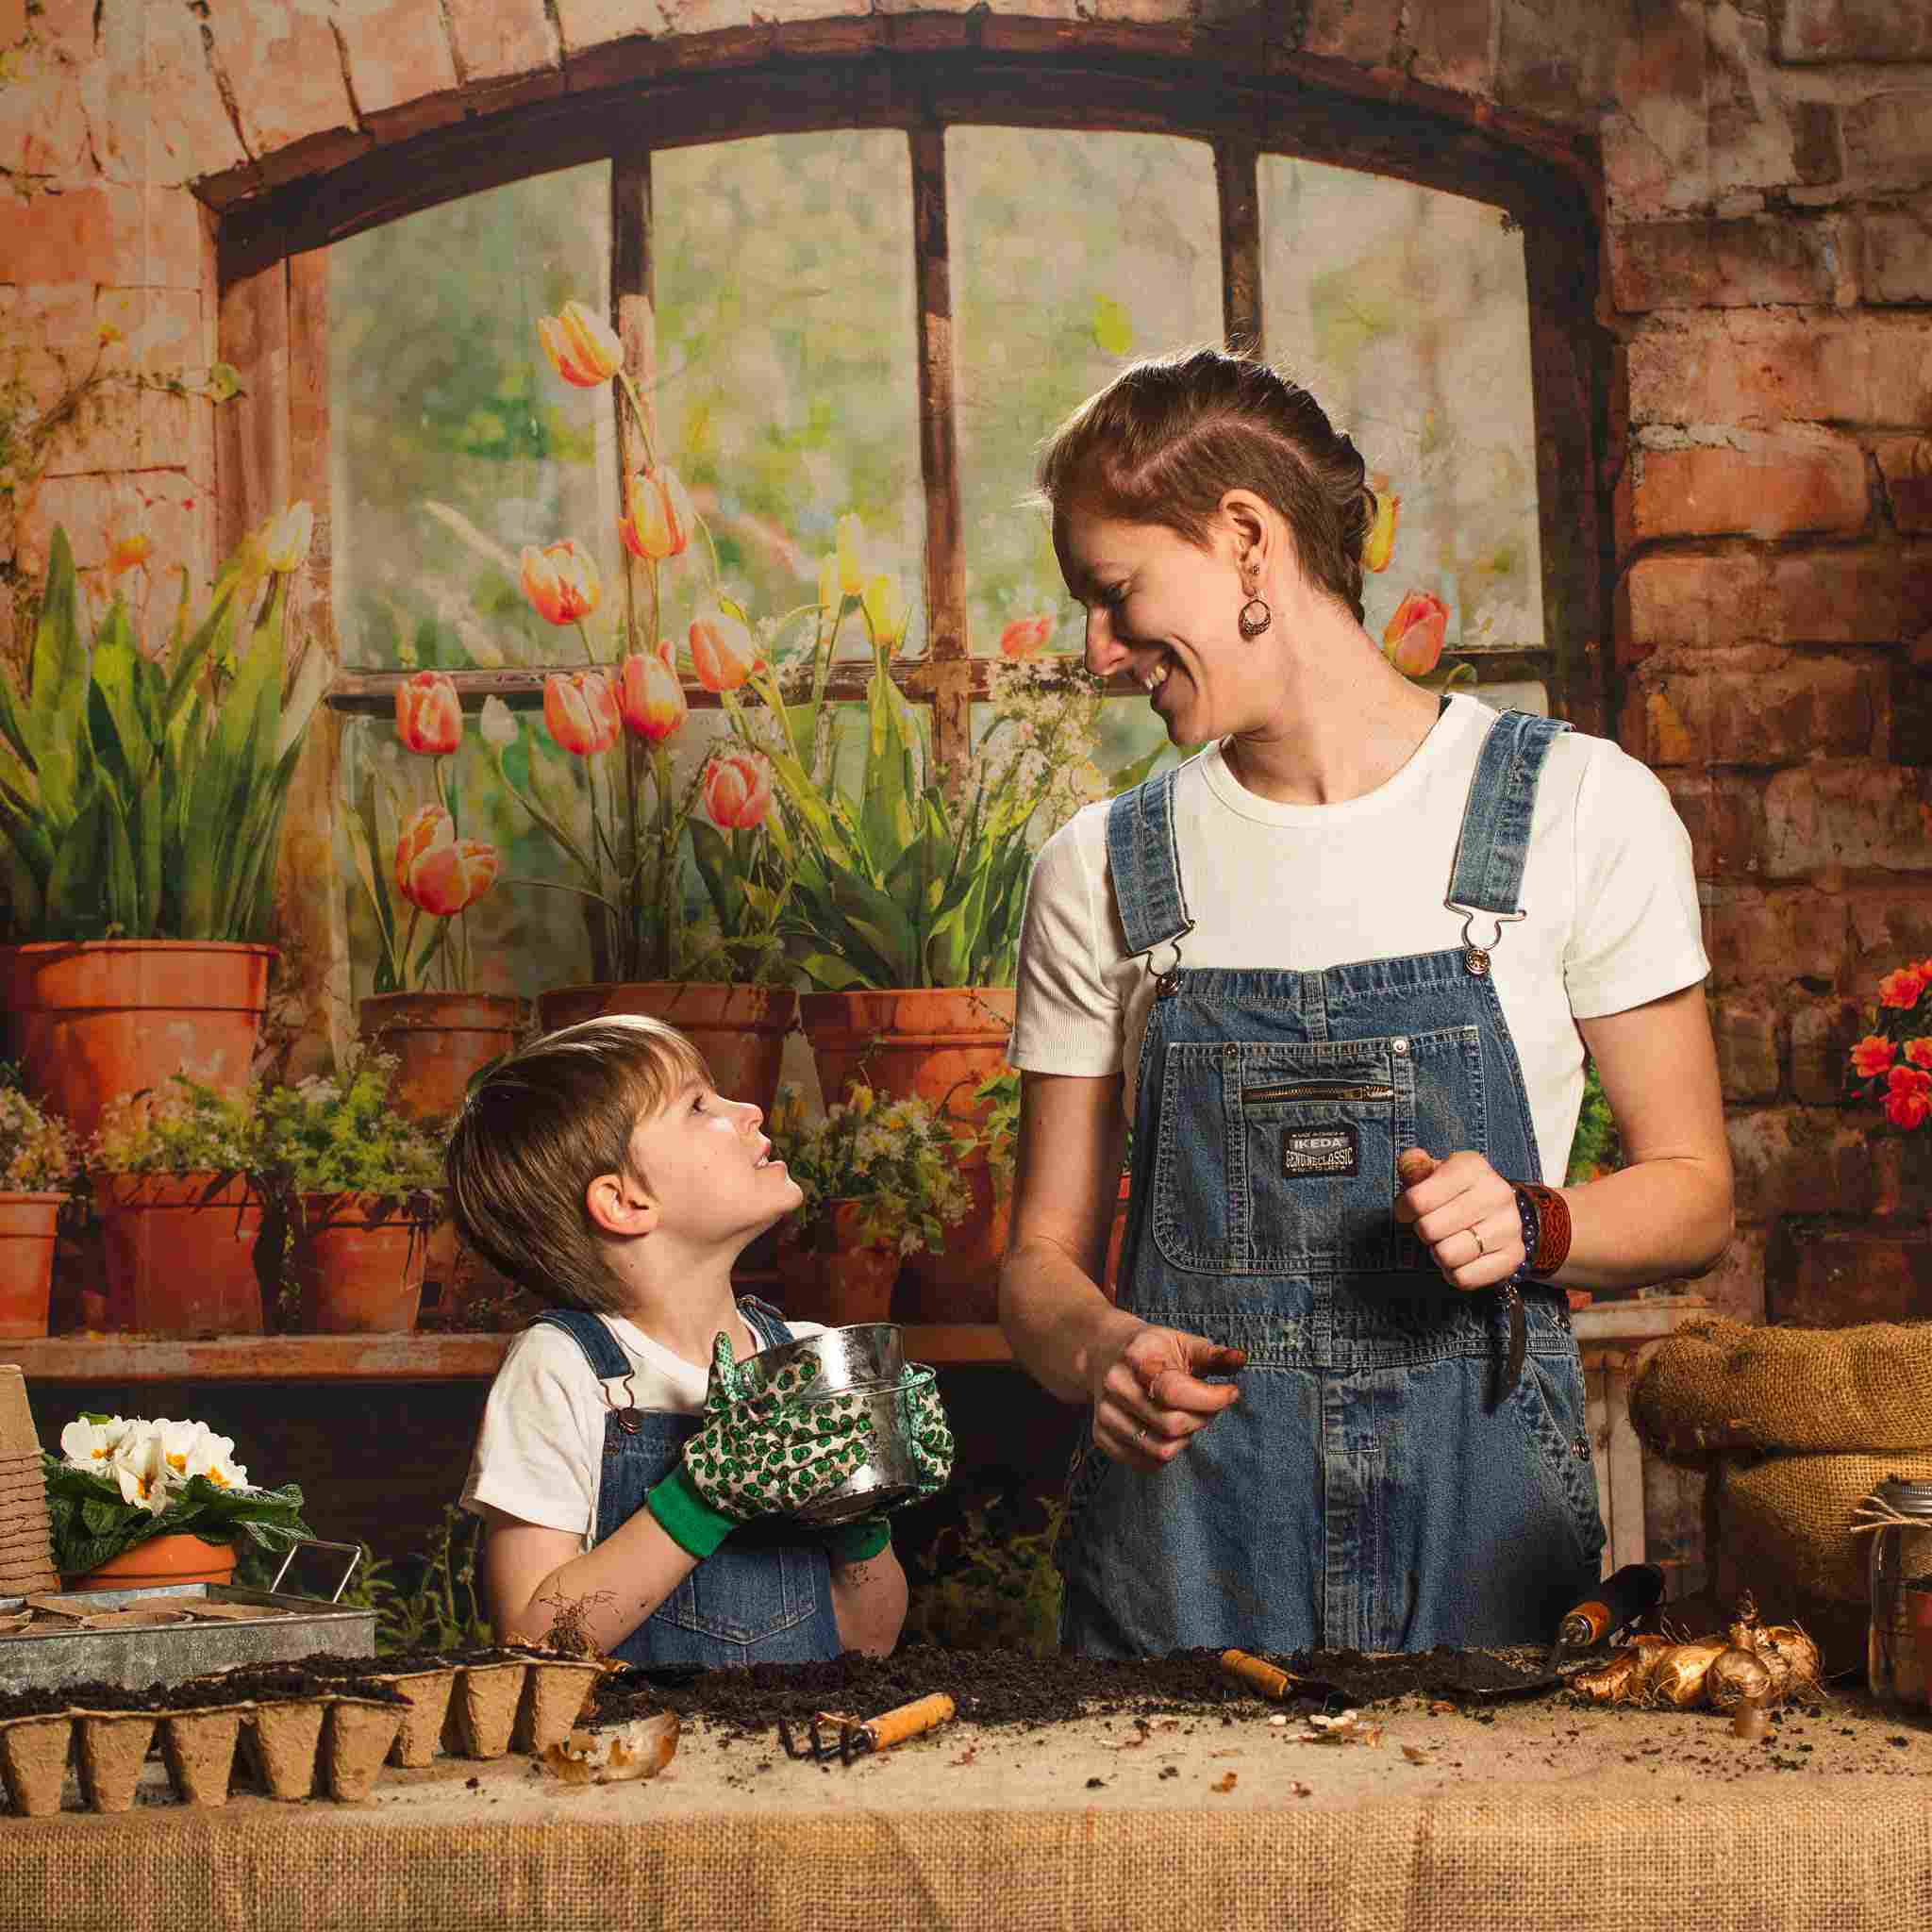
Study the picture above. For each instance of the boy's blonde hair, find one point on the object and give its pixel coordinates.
(538, 1128)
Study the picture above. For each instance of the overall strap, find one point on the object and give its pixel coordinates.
(607, 1360)
(1494, 839)
(1145, 865)
(764, 1320)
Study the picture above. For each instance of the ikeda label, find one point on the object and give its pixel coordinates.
(1318, 1151)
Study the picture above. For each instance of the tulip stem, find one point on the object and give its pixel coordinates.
(643, 420)
(409, 948)
(590, 656)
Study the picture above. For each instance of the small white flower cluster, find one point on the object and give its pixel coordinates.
(152, 1461)
(37, 1152)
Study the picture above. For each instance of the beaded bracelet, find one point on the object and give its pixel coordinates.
(1532, 1228)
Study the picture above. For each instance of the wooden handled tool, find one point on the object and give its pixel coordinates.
(1257, 1672)
(853, 1737)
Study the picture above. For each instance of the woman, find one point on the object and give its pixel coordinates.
(1359, 932)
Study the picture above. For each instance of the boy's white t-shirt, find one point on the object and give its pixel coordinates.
(1609, 888)
(540, 1452)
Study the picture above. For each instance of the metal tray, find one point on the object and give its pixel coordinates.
(133, 1658)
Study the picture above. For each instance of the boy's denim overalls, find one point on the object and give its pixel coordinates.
(1370, 1489)
(764, 1596)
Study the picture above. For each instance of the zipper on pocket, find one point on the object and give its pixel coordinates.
(1314, 1090)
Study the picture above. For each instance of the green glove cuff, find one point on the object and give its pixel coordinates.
(857, 1543)
(685, 1518)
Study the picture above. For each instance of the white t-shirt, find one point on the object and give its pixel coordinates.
(1608, 886)
(539, 1453)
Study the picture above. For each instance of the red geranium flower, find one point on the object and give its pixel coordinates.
(1901, 989)
(1908, 1098)
(1872, 1056)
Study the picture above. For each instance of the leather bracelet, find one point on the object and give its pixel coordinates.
(1552, 1229)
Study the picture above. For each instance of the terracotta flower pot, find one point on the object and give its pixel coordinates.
(938, 1045)
(173, 1559)
(441, 1041)
(180, 1252)
(847, 1277)
(91, 1019)
(26, 1262)
(359, 1275)
(740, 1029)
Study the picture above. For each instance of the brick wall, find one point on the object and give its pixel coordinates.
(1766, 191)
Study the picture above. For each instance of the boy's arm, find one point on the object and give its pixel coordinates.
(530, 1572)
(869, 1600)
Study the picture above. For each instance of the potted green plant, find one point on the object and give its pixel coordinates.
(37, 1166)
(422, 1009)
(175, 1184)
(882, 1181)
(142, 785)
(907, 889)
(363, 1184)
(600, 783)
(136, 1502)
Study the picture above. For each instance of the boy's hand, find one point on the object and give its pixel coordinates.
(932, 1437)
(758, 1456)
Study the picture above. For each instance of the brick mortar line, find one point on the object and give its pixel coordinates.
(446, 12)
(348, 78)
(225, 88)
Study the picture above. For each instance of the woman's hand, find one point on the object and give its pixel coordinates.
(1148, 1398)
(1465, 1213)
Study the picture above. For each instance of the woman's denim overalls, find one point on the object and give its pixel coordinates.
(1373, 1488)
(764, 1596)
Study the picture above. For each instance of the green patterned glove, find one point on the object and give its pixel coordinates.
(932, 1437)
(932, 1456)
(758, 1456)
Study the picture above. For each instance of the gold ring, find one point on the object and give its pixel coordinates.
(1478, 1234)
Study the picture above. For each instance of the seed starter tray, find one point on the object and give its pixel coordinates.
(50, 1653)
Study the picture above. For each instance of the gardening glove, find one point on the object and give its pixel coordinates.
(757, 1455)
(932, 1456)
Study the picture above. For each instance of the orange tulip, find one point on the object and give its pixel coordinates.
(650, 698)
(658, 520)
(1870, 1056)
(129, 553)
(583, 347)
(429, 719)
(561, 581)
(1381, 538)
(1908, 1098)
(738, 789)
(448, 876)
(1412, 638)
(425, 828)
(580, 711)
(721, 651)
(1026, 636)
(1901, 989)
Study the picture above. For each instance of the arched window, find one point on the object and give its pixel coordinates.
(868, 287)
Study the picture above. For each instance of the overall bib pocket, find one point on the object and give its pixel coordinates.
(1279, 1159)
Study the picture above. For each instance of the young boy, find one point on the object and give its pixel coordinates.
(598, 1167)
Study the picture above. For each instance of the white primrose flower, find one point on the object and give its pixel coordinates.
(185, 1449)
(91, 1445)
(139, 1467)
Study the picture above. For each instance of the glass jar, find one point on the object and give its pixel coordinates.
(1901, 1578)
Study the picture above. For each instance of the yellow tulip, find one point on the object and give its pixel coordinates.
(582, 347)
(851, 564)
(1381, 539)
(885, 609)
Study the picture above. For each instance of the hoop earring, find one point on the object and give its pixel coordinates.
(1254, 618)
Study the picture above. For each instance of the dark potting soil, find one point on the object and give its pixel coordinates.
(1008, 1687)
(99, 1697)
(33, 1703)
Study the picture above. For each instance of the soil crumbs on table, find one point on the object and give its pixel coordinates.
(1009, 1687)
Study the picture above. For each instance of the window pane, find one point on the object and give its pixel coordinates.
(1071, 253)
(442, 401)
(787, 389)
(1405, 310)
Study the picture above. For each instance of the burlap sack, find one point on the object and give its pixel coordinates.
(1790, 1517)
(1717, 1387)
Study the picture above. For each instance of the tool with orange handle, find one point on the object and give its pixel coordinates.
(1620, 1598)
(854, 1736)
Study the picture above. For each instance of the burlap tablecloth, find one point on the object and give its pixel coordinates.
(1547, 1818)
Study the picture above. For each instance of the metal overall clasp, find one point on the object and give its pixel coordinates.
(1167, 981)
(1475, 958)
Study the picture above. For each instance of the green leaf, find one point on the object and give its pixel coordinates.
(56, 703)
(73, 908)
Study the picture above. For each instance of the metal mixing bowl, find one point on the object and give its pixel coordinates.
(868, 1361)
